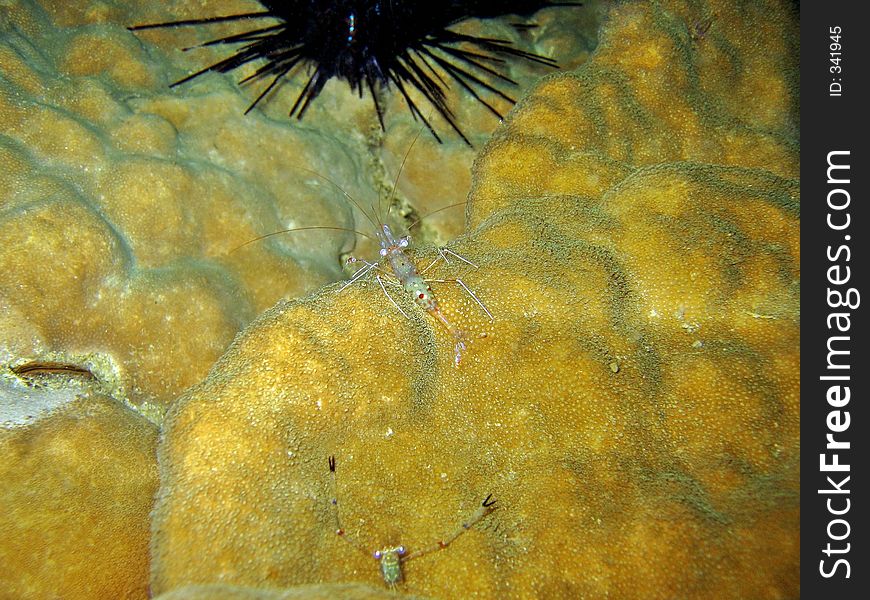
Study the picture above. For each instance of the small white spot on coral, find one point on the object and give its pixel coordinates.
(389, 433)
(691, 327)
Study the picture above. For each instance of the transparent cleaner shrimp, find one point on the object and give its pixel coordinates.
(391, 558)
(411, 280)
(406, 274)
(402, 271)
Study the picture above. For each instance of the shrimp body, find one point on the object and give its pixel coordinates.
(392, 251)
(412, 282)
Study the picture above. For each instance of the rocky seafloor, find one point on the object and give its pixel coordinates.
(633, 407)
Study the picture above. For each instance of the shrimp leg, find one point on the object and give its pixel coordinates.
(442, 255)
(360, 273)
(390, 298)
(445, 251)
(468, 291)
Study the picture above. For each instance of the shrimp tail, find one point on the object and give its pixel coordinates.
(458, 348)
(459, 335)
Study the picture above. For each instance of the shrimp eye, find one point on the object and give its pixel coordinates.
(401, 550)
(377, 555)
(383, 252)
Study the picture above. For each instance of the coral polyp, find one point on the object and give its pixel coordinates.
(373, 46)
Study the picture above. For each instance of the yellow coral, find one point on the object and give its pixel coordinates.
(344, 591)
(76, 491)
(121, 201)
(178, 178)
(634, 407)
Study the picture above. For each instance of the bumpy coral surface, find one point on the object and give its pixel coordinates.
(123, 209)
(123, 203)
(325, 591)
(76, 491)
(634, 406)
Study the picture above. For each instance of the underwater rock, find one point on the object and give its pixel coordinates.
(76, 486)
(634, 408)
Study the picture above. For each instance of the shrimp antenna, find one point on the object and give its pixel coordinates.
(339, 528)
(263, 237)
(486, 507)
(437, 210)
(401, 168)
(341, 189)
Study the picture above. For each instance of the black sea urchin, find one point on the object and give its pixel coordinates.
(373, 45)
